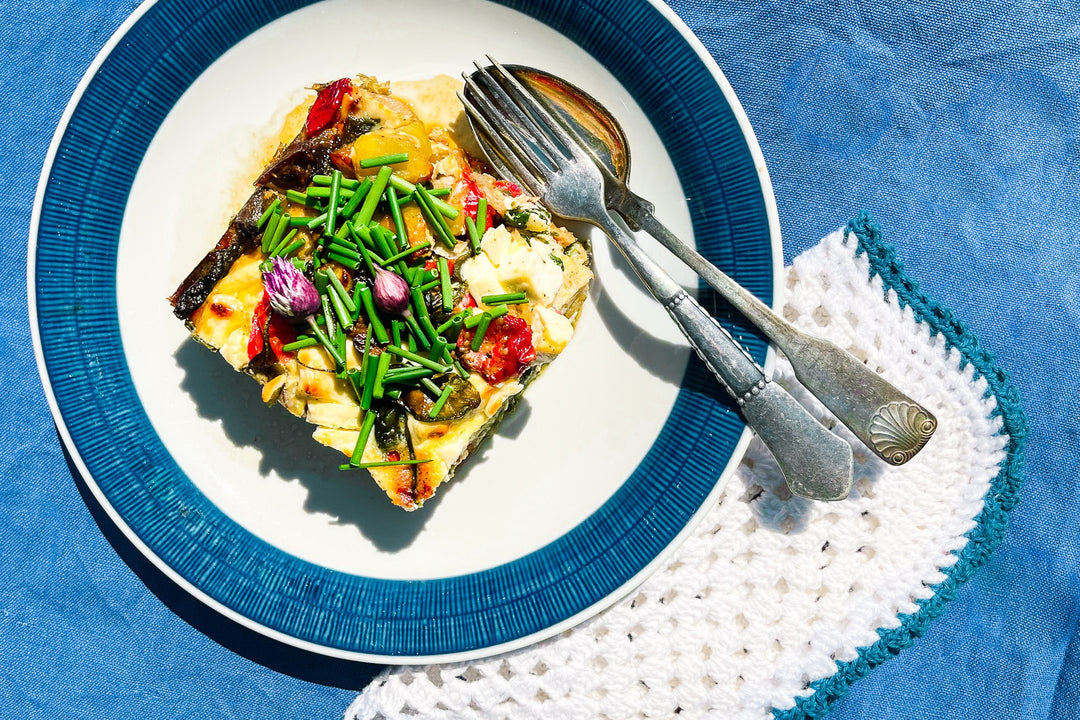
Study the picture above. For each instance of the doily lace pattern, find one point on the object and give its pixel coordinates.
(775, 604)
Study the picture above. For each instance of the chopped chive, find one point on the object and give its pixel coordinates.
(343, 315)
(401, 376)
(367, 210)
(429, 329)
(362, 235)
(343, 260)
(433, 218)
(429, 285)
(395, 214)
(443, 397)
(481, 216)
(369, 385)
(461, 371)
(418, 359)
(473, 320)
(346, 183)
(361, 440)
(431, 387)
(342, 292)
(330, 347)
(325, 193)
(382, 463)
(395, 331)
(417, 333)
(295, 196)
(498, 311)
(316, 222)
(335, 197)
(356, 379)
(357, 303)
(291, 248)
(377, 326)
(298, 221)
(445, 208)
(474, 235)
(358, 196)
(381, 237)
(268, 233)
(419, 306)
(439, 192)
(481, 330)
(438, 349)
(454, 322)
(348, 252)
(268, 212)
(328, 313)
(444, 278)
(395, 393)
(405, 253)
(365, 356)
(511, 298)
(384, 160)
(299, 344)
(341, 239)
(279, 245)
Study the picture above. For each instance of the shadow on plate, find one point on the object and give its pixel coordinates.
(241, 640)
(287, 449)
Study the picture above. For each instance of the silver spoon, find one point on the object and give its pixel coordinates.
(887, 421)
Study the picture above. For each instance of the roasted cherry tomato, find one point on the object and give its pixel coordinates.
(280, 332)
(506, 350)
(258, 323)
(326, 106)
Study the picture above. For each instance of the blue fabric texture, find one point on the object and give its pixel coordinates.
(955, 123)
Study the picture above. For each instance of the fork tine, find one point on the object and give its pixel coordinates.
(551, 126)
(511, 141)
(523, 175)
(520, 120)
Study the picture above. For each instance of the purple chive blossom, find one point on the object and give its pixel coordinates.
(291, 294)
(391, 291)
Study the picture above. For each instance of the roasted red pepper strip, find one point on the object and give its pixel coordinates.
(469, 192)
(508, 187)
(258, 322)
(280, 332)
(432, 263)
(326, 106)
(506, 351)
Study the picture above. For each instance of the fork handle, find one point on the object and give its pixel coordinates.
(887, 421)
(815, 463)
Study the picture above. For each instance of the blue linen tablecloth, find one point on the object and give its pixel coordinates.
(954, 123)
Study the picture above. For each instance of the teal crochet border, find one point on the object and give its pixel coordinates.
(1001, 498)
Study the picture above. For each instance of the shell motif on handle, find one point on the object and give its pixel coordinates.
(899, 430)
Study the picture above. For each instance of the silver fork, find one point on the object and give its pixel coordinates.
(523, 140)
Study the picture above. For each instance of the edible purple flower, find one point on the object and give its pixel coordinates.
(291, 294)
(391, 291)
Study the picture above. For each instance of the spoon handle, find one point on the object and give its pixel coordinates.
(815, 463)
(887, 421)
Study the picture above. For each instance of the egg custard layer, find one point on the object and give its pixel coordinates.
(381, 285)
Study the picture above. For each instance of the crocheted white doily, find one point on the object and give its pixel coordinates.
(770, 591)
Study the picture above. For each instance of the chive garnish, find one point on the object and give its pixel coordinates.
(395, 332)
(431, 387)
(406, 375)
(342, 292)
(438, 349)
(498, 311)
(384, 160)
(343, 315)
(354, 202)
(346, 183)
(429, 285)
(481, 331)
(445, 208)
(291, 248)
(444, 280)
(298, 221)
(382, 463)
(367, 210)
(377, 326)
(443, 397)
(316, 222)
(434, 218)
(335, 247)
(268, 233)
(461, 371)
(328, 313)
(380, 375)
(361, 440)
(295, 196)
(405, 253)
(473, 320)
(454, 322)
(299, 344)
(268, 212)
(381, 237)
(369, 385)
(279, 245)
(474, 235)
(509, 298)
(330, 347)
(343, 260)
(335, 197)
(481, 216)
(418, 359)
(416, 335)
(395, 214)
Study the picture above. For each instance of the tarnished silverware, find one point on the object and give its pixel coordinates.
(526, 144)
(891, 424)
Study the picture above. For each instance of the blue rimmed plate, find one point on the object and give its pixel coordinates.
(619, 447)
